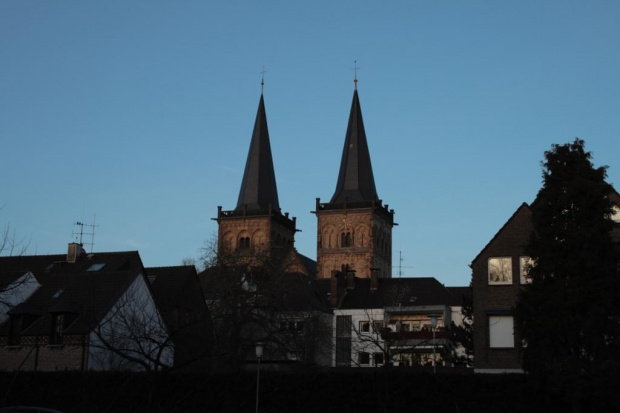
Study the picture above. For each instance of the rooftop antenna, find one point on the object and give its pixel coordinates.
(262, 81)
(81, 233)
(400, 264)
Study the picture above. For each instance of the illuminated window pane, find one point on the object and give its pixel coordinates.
(500, 270)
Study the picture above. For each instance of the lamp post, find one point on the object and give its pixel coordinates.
(433, 318)
(259, 356)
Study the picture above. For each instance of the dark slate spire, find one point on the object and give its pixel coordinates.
(258, 188)
(355, 182)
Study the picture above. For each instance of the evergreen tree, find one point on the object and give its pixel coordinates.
(569, 316)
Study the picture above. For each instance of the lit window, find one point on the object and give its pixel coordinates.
(501, 331)
(525, 264)
(500, 270)
(616, 214)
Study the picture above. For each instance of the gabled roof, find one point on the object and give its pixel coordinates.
(72, 289)
(522, 209)
(356, 181)
(258, 187)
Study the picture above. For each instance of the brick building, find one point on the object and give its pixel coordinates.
(499, 272)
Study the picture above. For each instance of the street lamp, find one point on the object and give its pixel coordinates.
(433, 318)
(259, 355)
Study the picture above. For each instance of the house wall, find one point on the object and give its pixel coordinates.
(35, 353)
(499, 299)
(361, 341)
(132, 329)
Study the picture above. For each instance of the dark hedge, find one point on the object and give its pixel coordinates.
(331, 390)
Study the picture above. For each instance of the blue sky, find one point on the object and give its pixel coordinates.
(141, 112)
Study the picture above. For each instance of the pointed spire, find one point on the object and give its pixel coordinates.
(356, 181)
(258, 187)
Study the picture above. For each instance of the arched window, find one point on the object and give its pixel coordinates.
(244, 243)
(346, 240)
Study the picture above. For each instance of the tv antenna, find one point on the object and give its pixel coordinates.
(81, 233)
(400, 264)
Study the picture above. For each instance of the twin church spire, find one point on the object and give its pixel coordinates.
(356, 182)
(354, 231)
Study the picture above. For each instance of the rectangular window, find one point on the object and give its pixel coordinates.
(57, 328)
(364, 358)
(501, 331)
(377, 326)
(500, 270)
(378, 359)
(525, 264)
(343, 340)
(15, 330)
(365, 326)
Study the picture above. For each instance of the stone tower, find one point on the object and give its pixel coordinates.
(256, 227)
(354, 228)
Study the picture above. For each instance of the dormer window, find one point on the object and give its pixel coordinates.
(96, 267)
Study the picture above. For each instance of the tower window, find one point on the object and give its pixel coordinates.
(346, 240)
(244, 243)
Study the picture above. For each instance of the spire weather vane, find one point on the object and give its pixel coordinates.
(262, 81)
(355, 68)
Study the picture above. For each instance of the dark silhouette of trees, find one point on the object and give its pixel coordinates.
(569, 316)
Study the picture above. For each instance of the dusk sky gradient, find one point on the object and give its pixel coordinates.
(141, 112)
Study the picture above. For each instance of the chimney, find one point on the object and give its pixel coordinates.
(333, 297)
(374, 279)
(74, 252)
(350, 280)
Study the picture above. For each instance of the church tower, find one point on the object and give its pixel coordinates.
(354, 228)
(256, 227)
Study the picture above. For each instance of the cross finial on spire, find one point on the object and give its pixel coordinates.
(262, 81)
(355, 78)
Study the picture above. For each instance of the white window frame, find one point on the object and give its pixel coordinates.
(501, 331)
(504, 264)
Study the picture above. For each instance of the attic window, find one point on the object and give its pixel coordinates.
(96, 267)
(58, 293)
